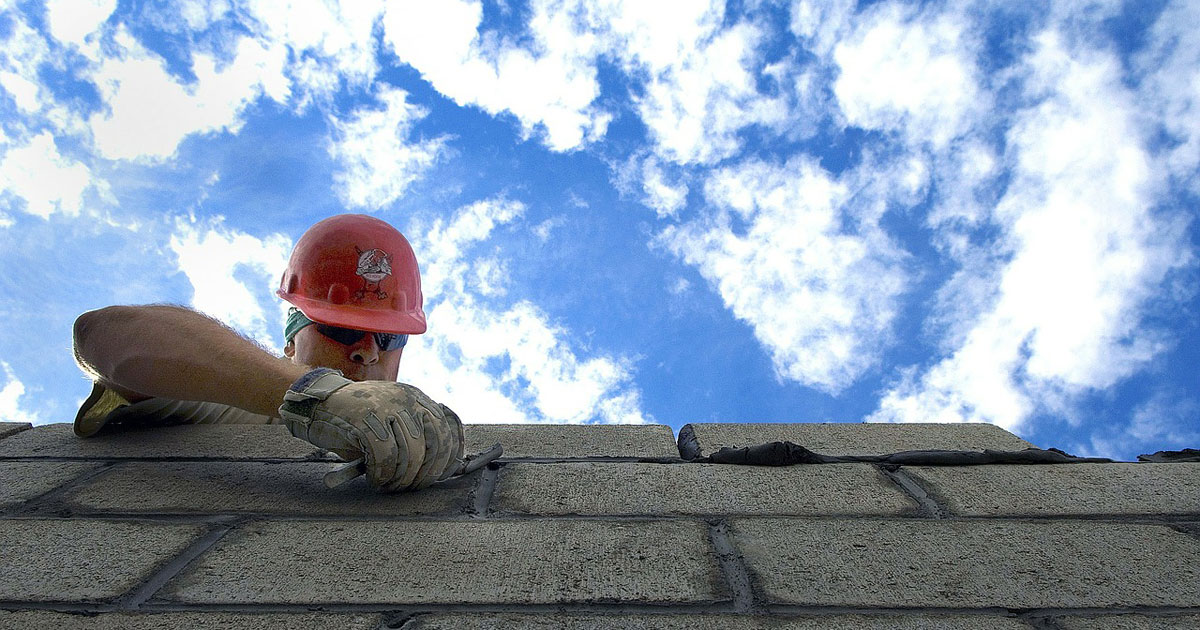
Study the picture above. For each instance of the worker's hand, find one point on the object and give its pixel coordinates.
(407, 440)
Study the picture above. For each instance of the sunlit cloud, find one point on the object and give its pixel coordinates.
(44, 179)
(378, 160)
(149, 111)
(1081, 251)
(819, 298)
(234, 276)
(503, 362)
(11, 404)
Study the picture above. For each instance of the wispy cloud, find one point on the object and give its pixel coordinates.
(148, 111)
(502, 362)
(377, 159)
(820, 296)
(11, 409)
(234, 275)
(549, 85)
(1080, 253)
(47, 181)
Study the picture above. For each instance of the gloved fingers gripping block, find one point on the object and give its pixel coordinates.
(406, 439)
(411, 440)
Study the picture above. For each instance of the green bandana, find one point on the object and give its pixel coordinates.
(295, 321)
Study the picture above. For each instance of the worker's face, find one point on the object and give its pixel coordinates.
(360, 361)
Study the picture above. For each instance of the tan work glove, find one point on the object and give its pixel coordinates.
(407, 440)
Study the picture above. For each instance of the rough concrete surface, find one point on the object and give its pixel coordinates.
(573, 440)
(81, 560)
(1130, 622)
(210, 441)
(512, 562)
(12, 428)
(1067, 489)
(255, 487)
(647, 489)
(26, 480)
(46, 620)
(698, 622)
(1012, 564)
(843, 438)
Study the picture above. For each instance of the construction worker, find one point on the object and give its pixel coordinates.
(356, 294)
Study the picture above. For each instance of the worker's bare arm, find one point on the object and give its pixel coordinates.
(174, 352)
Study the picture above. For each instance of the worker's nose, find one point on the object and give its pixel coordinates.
(365, 351)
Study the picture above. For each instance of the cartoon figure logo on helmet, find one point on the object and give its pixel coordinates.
(373, 266)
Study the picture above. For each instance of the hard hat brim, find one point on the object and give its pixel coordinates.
(410, 322)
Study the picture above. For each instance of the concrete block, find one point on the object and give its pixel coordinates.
(845, 438)
(969, 564)
(12, 428)
(464, 562)
(47, 620)
(26, 480)
(80, 560)
(1067, 489)
(199, 441)
(254, 487)
(574, 440)
(660, 489)
(564, 621)
(1129, 622)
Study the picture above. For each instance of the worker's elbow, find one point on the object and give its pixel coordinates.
(89, 330)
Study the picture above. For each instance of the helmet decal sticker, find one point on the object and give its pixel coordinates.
(373, 266)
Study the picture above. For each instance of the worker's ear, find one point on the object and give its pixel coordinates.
(289, 350)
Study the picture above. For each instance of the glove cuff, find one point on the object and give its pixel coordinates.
(303, 396)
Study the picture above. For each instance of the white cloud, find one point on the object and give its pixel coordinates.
(22, 52)
(666, 197)
(10, 398)
(696, 105)
(1081, 251)
(820, 296)
(549, 85)
(1170, 95)
(542, 230)
(72, 21)
(910, 74)
(44, 178)
(150, 112)
(331, 42)
(377, 160)
(214, 258)
(495, 363)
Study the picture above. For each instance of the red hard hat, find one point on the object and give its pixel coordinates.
(355, 271)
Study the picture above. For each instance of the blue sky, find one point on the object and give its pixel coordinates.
(640, 212)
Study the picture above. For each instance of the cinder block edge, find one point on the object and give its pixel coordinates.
(13, 428)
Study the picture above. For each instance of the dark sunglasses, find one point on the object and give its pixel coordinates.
(350, 336)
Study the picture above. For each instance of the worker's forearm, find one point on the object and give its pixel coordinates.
(177, 353)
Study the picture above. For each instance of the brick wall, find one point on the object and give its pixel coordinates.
(589, 527)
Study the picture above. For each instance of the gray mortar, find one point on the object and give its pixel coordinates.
(1130, 622)
(48, 620)
(693, 622)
